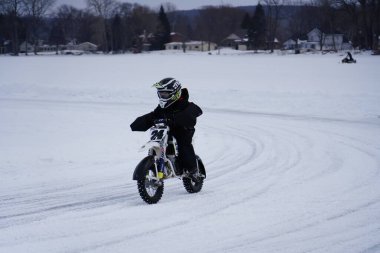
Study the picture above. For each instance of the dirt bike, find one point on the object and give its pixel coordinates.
(162, 163)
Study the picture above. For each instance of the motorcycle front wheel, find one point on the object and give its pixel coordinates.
(150, 189)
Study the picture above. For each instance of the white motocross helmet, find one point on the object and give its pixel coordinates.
(168, 91)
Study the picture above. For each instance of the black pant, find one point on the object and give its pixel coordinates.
(184, 137)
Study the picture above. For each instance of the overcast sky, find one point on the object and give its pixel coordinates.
(180, 4)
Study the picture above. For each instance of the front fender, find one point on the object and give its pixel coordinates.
(142, 167)
(149, 145)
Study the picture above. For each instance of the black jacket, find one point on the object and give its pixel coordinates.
(182, 114)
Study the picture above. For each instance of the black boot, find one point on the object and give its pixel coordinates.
(194, 175)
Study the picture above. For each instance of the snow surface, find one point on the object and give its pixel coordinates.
(291, 145)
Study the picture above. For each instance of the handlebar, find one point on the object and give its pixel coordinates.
(161, 121)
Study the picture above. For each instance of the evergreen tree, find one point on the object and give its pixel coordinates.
(246, 23)
(162, 34)
(119, 34)
(258, 28)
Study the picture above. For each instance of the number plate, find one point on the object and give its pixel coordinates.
(157, 134)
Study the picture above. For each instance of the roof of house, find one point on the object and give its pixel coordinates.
(314, 30)
(189, 43)
(233, 36)
(290, 41)
(88, 44)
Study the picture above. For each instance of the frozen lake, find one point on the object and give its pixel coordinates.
(291, 145)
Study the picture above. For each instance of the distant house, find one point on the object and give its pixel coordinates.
(6, 47)
(72, 45)
(87, 47)
(275, 43)
(317, 40)
(290, 44)
(145, 42)
(201, 46)
(191, 46)
(327, 42)
(47, 48)
(231, 41)
(84, 47)
(237, 40)
(175, 46)
(26, 47)
(303, 44)
(314, 36)
(176, 37)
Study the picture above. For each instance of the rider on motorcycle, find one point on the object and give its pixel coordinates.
(175, 108)
(348, 58)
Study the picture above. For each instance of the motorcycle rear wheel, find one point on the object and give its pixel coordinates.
(191, 186)
(150, 189)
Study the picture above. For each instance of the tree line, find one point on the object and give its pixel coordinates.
(120, 27)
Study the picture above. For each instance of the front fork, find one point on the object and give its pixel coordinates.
(161, 169)
(160, 165)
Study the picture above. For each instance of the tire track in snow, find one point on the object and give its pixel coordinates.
(36, 206)
(325, 173)
(277, 151)
(221, 173)
(309, 221)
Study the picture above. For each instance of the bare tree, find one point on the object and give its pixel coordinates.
(370, 22)
(216, 23)
(303, 20)
(70, 20)
(104, 9)
(274, 8)
(13, 8)
(328, 14)
(169, 7)
(363, 21)
(140, 22)
(36, 10)
(172, 14)
(349, 20)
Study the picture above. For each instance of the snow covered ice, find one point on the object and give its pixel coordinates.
(291, 144)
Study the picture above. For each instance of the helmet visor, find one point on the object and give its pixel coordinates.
(165, 94)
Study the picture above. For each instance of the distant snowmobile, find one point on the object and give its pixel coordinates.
(161, 164)
(348, 58)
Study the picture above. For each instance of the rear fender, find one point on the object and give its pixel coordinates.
(201, 167)
(143, 166)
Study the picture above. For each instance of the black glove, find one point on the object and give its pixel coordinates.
(167, 121)
(161, 121)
